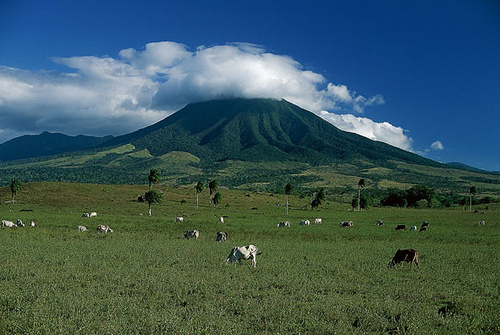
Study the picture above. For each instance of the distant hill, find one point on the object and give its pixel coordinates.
(259, 130)
(47, 144)
(244, 143)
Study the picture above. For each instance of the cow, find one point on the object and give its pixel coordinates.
(481, 223)
(423, 228)
(305, 223)
(246, 252)
(318, 220)
(401, 227)
(20, 223)
(82, 229)
(32, 223)
(406, 255)
(85, 215)
(179, 219)
(8, 224)
(380, 223)
(192, 233)
(92, 214)
(283, 224)
(346, 224)
(413, 228)
(221, 219)
(424, 224)
(104, 229)
(221, 236)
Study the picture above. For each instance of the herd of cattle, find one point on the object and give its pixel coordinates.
(250, 251)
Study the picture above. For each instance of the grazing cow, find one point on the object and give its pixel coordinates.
(82, 229)
(318, 220)
(346, 224)
(413, 228)
(20, 223)
(401, 227)
(221, 219)
(179, 219)
(92, 214)
(305, 223)
(246, 252)
(424, 224)
(406, 255)
(8, 224)
(32, 223)
(423, 228)
(481, 223)
(283, 224)
(380, 223)
(85, 215)
(221, 236)
(104, 229)
(192, 233)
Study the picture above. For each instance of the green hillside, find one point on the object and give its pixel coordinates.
(250, 144)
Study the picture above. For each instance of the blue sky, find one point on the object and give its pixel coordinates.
(423, 76)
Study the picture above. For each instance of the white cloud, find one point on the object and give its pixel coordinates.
(105, 95)
(377, 131)
(437, 145)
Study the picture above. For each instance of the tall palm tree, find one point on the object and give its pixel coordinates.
(288, 191)
(15, 186)
(152, 197)
(361, 184)
(199, 187)
(472, 191)
(212, 186)
(153, 178)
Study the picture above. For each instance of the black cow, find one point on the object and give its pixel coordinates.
(406, 255)
(401, 227)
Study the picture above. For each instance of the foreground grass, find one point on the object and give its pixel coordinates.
(145, 278)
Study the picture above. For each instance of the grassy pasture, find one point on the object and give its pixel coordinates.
(322, 279)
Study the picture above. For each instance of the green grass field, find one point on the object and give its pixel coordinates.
(145, 278)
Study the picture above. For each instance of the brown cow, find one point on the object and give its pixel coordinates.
(406, 255)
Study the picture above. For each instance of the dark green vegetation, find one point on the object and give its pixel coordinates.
(250, 144)
(322, 279)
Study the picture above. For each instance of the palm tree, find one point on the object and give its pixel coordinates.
(472, 191)
(288, 191)
(212, 186)
(152, 197)
(15, 186)
(217, 199)
(318, 200)
(153, 178)
(361, 184)
(199, 187)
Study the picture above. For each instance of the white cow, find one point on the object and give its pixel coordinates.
(221, 219)
(221, 236)
(283, 224)
(481, 223)
(305, 223)
(32, 223)
(20, 223)
(192, 233)
(104, 229)
(82, 228)
(179, 219)
(246, 252)
(413, 228)
(92, 214)
(8, 224)
(318, 220)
